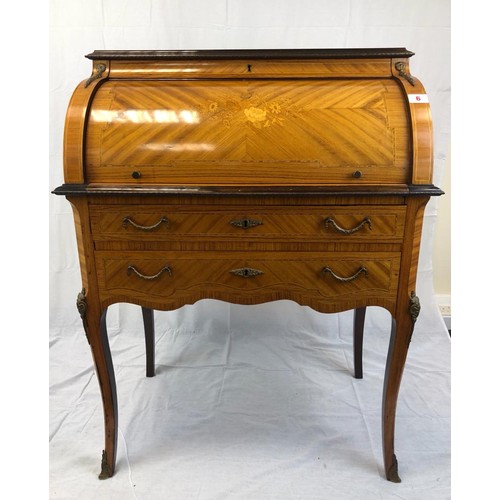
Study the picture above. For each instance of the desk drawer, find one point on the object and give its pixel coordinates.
(160, 223)
(232, 276)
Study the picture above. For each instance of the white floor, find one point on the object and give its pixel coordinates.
(255, 402)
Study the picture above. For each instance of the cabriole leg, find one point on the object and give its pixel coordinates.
(359, 325)
(149, 334)
(94, 322)
(402, 329)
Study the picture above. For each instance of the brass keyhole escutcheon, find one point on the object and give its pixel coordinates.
(246, 272)
(246, 223)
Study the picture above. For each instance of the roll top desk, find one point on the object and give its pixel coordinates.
(249, 176)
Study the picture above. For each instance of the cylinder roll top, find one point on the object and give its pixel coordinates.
(245, 120)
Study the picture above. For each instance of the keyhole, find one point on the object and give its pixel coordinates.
(246, 272)
(249, 68)
(246, 223)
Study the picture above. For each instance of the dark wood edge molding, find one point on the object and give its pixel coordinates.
(412, 190)
(424, 189)
(360, 53)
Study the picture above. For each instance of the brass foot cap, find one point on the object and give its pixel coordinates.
(392, 472)
(106, 471)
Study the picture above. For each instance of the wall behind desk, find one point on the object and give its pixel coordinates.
(81, 26)
(442, 246)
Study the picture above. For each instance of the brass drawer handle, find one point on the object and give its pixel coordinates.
(341, 230)
(131, 269)
(246, 272)
(128, 220)
(361, 270)
(246, 223)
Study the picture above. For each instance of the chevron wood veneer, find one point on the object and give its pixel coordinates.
(250, 131)
(249, 176)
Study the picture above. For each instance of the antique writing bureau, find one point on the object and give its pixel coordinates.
(249, 176)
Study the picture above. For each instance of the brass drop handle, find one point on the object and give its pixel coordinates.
(361, 270)
(341, 230)
(246, 272)
(246, 223)
(131, 269)
(128, 220)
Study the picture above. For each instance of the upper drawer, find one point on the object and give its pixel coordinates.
(248, 132)
(159, 223)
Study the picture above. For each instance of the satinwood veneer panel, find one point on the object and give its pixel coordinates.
(246, 277)
(255, 132)
(163, 222)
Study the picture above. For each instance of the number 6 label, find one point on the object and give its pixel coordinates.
(418, 98)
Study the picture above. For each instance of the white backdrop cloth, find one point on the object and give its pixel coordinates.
(249, 402)
(253, 402)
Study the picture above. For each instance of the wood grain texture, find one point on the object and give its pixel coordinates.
(268, 132)
(166, 153)
(95, 323)
(74, 128)
(385, 223)
(291, 276)
(240, 197)
(251, 68)
(402, 330)
(204, 269)
(421, 126)
(241, 245)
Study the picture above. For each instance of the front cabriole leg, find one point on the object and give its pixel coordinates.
(402, 330)
(94, 323)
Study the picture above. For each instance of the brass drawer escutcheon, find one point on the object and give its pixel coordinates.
(246, 223)
(341, 230)
(131, 269)
(128, 220)
(246, 272)
(361, 270)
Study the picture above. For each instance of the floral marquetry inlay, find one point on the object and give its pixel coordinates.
(255, 110)
(194, 132)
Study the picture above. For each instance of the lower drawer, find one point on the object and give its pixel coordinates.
(243, 277)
